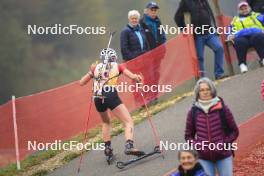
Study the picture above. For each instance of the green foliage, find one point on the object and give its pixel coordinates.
(70, 157)
(28, 162)
(40, 173)
(9, 171)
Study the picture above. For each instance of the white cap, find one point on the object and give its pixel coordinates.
(242, 4)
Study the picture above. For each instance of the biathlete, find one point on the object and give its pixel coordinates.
(105, 77)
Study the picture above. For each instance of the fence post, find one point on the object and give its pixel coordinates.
(220, 21)
(192, 48)
(15, 132)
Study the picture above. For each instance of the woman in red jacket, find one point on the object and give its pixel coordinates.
(211, 129)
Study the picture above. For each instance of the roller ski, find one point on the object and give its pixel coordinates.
(122, 165)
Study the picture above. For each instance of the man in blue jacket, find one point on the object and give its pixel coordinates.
(248, 31)
(133, 40)
(151, 25)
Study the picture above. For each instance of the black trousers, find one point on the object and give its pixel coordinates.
(242, 44)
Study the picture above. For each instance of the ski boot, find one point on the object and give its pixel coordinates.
(109, 154)
(130, 150)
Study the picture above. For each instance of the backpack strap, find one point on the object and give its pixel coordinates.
(194, 116)
(224, 122)
(223, 119)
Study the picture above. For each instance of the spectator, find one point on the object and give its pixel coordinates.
(248, 28)
(133, 39)
(156, 37)
(257, 5)
(211, 121)
(151, 25)
(189, 165)
(202, 16)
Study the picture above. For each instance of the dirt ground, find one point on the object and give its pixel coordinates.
(252, 164)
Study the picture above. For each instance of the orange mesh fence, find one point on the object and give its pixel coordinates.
(60, 113)
(7, 144)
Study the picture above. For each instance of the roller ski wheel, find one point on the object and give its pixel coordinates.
(120, 165)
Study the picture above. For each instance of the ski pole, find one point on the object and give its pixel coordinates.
(109, 43)
(110, 39)
(89, 112)
(85, 135)
(149, 115)
(106, 61)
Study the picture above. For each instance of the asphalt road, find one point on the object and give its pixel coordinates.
(241, 93)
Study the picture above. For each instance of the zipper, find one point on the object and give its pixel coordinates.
(208, 127)
(208, 132)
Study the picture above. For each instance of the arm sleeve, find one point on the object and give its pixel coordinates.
(163, 35)
(124, 46)
(261, 19)
(179, 15)
(234, 132)
(189, 128)
(92, 70)
(247, 32)
(146, 42)
(164, 39)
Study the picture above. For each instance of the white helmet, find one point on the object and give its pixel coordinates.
(108, 54)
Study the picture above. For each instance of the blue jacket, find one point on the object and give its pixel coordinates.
(154, 35)
(196, 171)
(130, 44)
